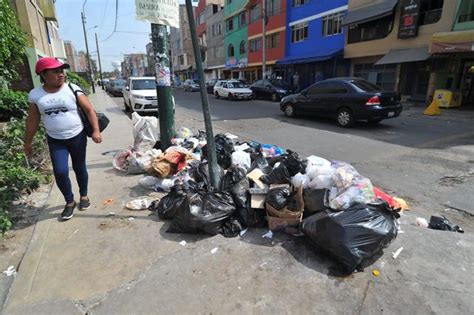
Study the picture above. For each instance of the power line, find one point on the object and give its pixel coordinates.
(115, 26)
(103, 17)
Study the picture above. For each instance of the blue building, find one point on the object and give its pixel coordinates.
(314, 41)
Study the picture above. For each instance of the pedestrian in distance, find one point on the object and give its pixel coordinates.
(55, 103)
(296, 82)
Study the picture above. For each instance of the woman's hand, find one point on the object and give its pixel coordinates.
(96, 137)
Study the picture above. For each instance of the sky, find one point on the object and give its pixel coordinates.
(131, 36)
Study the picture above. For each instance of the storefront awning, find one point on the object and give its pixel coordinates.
(404, 55)
(320, 56)
(446, 42)
(370, 12)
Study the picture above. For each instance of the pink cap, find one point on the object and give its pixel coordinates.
(48, 63)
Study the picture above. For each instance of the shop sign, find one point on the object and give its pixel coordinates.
(231, 62)
(409, 18)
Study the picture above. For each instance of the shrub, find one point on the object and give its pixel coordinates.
(80, 81)
(12, 104)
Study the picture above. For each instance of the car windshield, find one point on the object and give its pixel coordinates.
(119, 83)
(366, 86)
(280, 84)
(143, 84)
(235, 85)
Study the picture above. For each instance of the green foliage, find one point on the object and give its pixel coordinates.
(80, 81)
(12, 104)
(12, 42)
(17, 176)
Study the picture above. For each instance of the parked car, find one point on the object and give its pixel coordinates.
(232, 90)
(210, 85)
(116, 87)
(346, 99)
(273, 89)
(140, 94)
(191, 85)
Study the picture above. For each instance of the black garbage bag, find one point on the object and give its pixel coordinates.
(278, 197)
(354, 236)
(224, 149)
(279, 175)
(262, 164)
(200, 174)
(250, 217)
(231, 227)
(442, 223)
(202, 213)
(255, 150)
(314, 201)
(169, 204)
(292, 162)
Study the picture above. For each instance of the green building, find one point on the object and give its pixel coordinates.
(235, 39)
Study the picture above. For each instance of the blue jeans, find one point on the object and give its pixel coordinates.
(60, 151)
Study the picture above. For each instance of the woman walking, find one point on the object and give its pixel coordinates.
(55, 102)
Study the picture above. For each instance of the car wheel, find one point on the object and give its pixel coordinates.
(289, 111)
(275, 97)
(374, 121)
(216, 94)
(230, 97)
(127, 107)
(345, 118)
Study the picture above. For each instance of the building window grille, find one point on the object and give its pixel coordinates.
(299, 32)
(332, 24)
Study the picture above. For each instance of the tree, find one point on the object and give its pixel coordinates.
(12, 43)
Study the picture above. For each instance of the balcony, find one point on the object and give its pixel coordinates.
(48, 9)
(57, 45)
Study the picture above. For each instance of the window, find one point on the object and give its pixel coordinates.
(299, 32)
(230, 24)
(332, 24)
(219, 29)
(143, 84)
(430, 11)
(215, 8)
(230, 51)
(273, 40)
(273, 7)
(213, 28)
(466, 11)
(365, 86)
(255, 45)
(383, 76)
(242, 47)
(243, 19)
(201, 18)
(297, 3)
(181, 60)
(371, 30)
(255, 14)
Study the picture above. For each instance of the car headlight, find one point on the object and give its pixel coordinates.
(138, 96)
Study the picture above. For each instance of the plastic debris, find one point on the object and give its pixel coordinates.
(268, 235)
(397, 252)
(138, 204)
(214, 250)
(375, 272)
(107, 202)
(442, 223)
(242, 233)
(422, 222)
(10, 271)
(182, 243)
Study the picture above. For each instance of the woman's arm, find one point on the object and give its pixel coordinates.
(32, 124)
(90, 113)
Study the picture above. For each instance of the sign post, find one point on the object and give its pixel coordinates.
(161, 13)
(211, 147)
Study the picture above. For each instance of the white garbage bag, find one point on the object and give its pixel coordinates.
(317, 166)
(321, 181)
(242, 159)
(300, 180)
(145, 132)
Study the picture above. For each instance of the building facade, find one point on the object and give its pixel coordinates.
(71, 55)
(182, 49)
(235, 38)
(39, 21)
(134, 65)
(274, 37)
(314, 42)
(387, 42)
(215, 49)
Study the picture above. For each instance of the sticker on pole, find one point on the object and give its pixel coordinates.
(163, 73)
(165, 12)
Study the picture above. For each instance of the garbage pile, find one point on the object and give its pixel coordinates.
(262, 185)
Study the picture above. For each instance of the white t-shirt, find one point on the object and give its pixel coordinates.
(59, 111)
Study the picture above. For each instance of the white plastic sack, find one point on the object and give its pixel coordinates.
(360, 191)
(120, 161)
(184, 133)
(145, 132)
(300, 180)
(242, 159)
(317, 166)
(140, 162)
(321, 181)
(149, 182)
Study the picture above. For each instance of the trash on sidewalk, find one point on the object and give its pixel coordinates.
(397, 252)
(214, 250)
(262, 185)
(10, 271)
(422, 222)
(375, 273)
(182, 243)
(138, 204)
(442, 223)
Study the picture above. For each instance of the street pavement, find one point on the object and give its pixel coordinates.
(109, 260)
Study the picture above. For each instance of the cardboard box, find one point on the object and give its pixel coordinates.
(286, 219)
(257, 201)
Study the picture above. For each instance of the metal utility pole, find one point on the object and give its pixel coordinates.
(83, 18)
(159, 38)
(100, 64)
(211, 146)
(264, 44)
